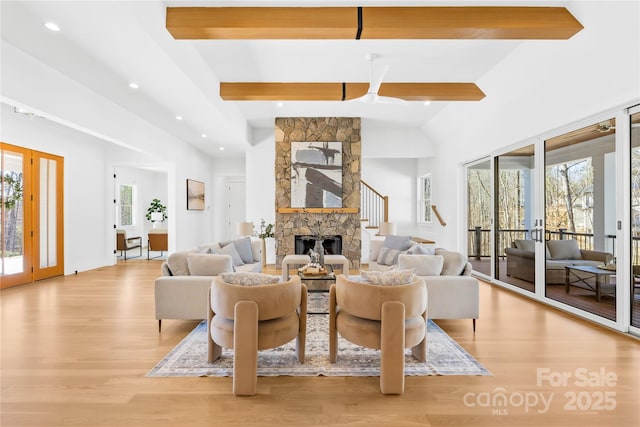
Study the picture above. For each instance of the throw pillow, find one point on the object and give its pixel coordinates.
(421, 249)
(391, 277)
(388, 256)
(564, 249)
(243, 246)
(231, 250)
(177, 263)
(250, 279)
(454, 262)
(208, 264)
(526, 245)
(424, 265)
(401, 243)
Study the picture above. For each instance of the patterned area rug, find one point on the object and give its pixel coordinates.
(444, 357)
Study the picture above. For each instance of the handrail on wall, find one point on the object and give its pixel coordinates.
(440, 220)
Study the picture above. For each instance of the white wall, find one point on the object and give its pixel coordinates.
(105, 135)
(261, 183)
(541, 86)
(388, 142)
(88, 213)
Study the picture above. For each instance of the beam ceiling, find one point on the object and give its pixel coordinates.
(249, 91)
(489, 22)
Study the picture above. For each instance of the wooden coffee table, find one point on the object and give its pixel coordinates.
(600, 274)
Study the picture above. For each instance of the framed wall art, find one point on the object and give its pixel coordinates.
(195, 195)
(316, 174)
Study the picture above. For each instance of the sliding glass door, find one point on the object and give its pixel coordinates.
(480, 215)
(516, 233)
(580, 223)
(635, 220)
(546, 219)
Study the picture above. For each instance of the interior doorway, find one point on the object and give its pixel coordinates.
(236, 206)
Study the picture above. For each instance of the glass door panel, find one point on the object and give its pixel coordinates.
(479, 214)
(580, 222)
(514, 258)
(49, 216)
(15, 216)
(635, 220)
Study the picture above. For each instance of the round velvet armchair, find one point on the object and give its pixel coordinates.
(386, 317)
(251, 318)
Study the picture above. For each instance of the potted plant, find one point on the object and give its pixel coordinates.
(156, 212)
(266, 231)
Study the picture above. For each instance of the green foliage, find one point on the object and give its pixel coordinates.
(156, 206)
(12, 189)
(266, 230)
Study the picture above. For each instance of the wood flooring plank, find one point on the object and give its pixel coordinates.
(75, 351)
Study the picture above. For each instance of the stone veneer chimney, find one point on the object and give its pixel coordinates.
(337, 221)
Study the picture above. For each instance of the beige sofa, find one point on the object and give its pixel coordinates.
(453, 293)
(181, 292)
(559, 254)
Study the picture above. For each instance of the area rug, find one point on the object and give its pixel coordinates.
(444, 357)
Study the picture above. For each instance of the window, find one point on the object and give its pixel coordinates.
(125, 206)
(424, 198)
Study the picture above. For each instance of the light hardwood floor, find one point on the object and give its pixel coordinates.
(75, 351)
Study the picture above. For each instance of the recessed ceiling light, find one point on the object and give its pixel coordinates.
(133, 85)
(204, 135)
(178, 117)
(52, 26)
(427, 103)
(279, 103)
(221, 148)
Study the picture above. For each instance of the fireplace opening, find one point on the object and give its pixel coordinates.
(332, 245)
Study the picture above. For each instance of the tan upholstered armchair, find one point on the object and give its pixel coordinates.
(386, 317)
(251, 318)
(124, 243)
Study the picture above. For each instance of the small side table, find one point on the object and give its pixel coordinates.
(292, 260)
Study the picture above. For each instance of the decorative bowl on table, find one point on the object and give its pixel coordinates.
(312, 270)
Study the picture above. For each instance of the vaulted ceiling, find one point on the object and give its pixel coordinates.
(107, 45)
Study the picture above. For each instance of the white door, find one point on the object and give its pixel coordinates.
(236, 208)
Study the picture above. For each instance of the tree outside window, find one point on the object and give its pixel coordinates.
(424, 198)
(126, 206)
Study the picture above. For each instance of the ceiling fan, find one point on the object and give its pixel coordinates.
(372, 97)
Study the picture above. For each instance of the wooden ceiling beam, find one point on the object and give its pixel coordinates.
(489, 22)
(247, 91)
(431, 22)
(432, 91)
(262, 22)
(281, 91)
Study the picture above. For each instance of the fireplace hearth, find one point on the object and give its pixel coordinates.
(304, 243)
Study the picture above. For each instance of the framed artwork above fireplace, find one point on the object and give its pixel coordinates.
(316, 174)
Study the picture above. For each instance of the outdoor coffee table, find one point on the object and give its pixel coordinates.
(601, 276)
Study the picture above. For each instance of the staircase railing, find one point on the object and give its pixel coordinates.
(374, 207)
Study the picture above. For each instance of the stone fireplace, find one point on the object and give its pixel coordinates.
(343, 222)
(332, 244)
